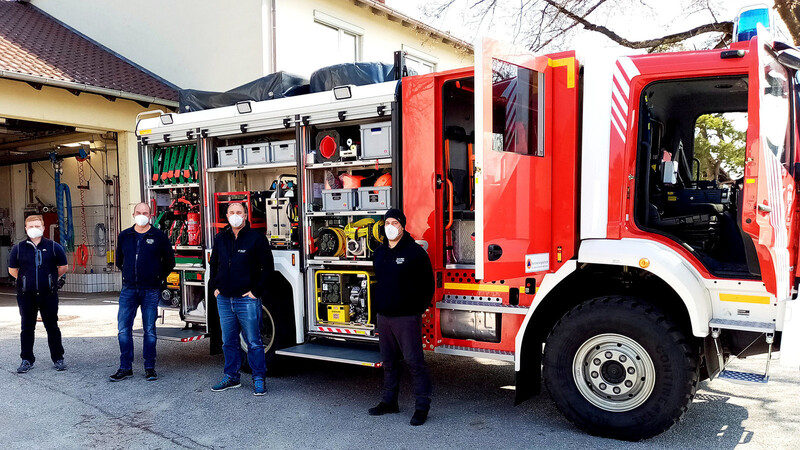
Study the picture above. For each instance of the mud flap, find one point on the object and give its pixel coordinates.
(529, 377)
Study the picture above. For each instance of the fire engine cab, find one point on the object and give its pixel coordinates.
(575, 226)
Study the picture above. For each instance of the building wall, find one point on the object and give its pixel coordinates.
(198, 44)
(381, 37)
(217, 45)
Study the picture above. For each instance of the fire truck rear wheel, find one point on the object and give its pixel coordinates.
(619, 368)
(271, 337)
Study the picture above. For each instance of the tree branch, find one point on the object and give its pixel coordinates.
(718, 27)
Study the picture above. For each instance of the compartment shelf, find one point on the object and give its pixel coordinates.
(194, 283)
(340, 262)
(174, 186)
(198, 268)
(353, 163)
(378, 212)
(188, 247)
(252, 167)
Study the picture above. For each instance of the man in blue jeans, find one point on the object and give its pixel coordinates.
(145, 257)
(241, 266)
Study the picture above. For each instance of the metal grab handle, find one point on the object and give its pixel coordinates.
(450, 203)
(765, 208)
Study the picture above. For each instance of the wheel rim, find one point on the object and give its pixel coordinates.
(267, 331)
(614, 372)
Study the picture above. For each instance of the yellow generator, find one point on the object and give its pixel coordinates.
(344, 296)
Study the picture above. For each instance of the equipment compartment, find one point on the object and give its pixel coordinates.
(344, 297)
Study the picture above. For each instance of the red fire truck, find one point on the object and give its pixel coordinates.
(573, 228)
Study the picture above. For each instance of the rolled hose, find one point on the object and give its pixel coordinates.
(331, 242)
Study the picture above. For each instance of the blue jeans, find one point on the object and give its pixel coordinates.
(129, 300)
(241, 315)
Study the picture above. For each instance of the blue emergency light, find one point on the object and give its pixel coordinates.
(744, 28)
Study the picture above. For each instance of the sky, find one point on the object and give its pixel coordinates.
(639, 28)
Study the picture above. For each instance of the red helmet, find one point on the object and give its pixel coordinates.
(384, 180)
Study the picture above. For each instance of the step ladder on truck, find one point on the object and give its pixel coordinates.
(561, 202)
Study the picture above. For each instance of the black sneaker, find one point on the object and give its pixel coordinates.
(384, 408)
(419, 417)
(25, 366)
(150, 374)
(59, 365)
(121, 375)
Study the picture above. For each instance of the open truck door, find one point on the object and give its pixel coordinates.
(512, 168)
(768, 191)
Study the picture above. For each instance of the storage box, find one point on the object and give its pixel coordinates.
(371, 198)
(256, 153)
(339, 313)
(339, 199)
(282, 151)
(376, 140)
(229, 156)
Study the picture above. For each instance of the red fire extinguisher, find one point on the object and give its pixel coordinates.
(193, 228)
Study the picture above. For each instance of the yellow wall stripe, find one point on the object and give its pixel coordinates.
(759, 299)
(476, 287)
(570, 65)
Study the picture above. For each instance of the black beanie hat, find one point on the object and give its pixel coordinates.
(396, 214)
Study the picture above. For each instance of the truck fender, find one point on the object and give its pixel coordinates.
(291, 272)
(663, 262)
(549, 282)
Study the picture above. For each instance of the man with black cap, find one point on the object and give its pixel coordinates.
(403, 292)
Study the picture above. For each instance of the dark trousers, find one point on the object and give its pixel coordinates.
(30, 305)
(400, 338)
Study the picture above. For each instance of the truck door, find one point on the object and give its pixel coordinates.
(513, 166)
(768, 192)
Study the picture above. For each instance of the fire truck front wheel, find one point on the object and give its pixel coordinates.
(618, 367)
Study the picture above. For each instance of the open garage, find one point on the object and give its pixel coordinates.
(68, 109)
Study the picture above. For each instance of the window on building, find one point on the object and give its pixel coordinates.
(418, 61)
(335, 41)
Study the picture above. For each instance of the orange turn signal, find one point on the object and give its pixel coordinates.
(644, 263)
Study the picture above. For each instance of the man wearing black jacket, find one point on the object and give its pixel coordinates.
(145, 257)
(241, 267)
(403, 292)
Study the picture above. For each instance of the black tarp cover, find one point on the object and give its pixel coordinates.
(275, 85)
(359, 74)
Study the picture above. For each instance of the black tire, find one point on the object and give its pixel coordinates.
(619, 368)
(277, 328)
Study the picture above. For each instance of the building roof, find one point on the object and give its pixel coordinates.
(38, 49)
(379, 8)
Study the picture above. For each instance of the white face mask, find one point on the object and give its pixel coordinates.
(141, 220)
(236, 220)
(391, 232)
(34, 233)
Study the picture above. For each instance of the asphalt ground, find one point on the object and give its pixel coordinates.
(316, 404)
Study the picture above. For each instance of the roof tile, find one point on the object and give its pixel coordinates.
(33, 43)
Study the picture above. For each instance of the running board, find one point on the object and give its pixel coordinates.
(742, 325)
(491, 307)
(176, 334)
(474, 352)
(747, 377)
(335, 351)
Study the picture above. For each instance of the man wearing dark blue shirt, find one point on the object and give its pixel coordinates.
(144, 254)
(37, 263)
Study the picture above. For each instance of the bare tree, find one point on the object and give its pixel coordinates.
(540, 24)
